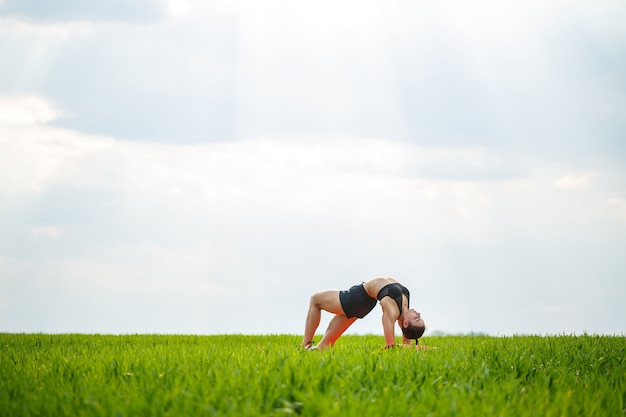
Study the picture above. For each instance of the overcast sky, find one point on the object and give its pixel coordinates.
(195, 166)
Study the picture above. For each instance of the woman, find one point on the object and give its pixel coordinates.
(357, 302)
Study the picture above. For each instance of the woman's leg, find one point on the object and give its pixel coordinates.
(325, 300)
(336, 327)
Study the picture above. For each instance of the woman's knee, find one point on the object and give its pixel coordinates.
(317, 299)
(327, 300)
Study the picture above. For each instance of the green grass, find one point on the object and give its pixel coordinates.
(156, 375)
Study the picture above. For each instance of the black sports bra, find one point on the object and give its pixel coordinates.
(395, 291)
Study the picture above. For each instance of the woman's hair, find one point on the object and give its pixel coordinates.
(414, 332)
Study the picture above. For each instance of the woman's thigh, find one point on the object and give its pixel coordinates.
(328, 301)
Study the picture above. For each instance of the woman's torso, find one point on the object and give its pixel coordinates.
(380, 288)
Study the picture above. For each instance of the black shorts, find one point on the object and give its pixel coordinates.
(356, 302)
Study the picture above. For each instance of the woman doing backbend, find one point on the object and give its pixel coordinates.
(357, 302)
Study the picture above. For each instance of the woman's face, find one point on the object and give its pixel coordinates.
(413, 318)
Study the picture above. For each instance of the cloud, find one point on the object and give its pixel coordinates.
(35, 153)
(98, 10)
(522, 77)
(444, 74)
(178, 7)
(472, 194)
(135, 269)
(574, 181)
(385, 183)
(26, 110)
(46, 231)
(619, 203)
(170, 79)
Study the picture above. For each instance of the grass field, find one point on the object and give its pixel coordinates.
(158, 375)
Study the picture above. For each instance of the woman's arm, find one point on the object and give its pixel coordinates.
(390, 315)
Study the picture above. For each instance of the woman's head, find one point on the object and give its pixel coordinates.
(412, 325)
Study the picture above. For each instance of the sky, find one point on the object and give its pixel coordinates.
(204, 167)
